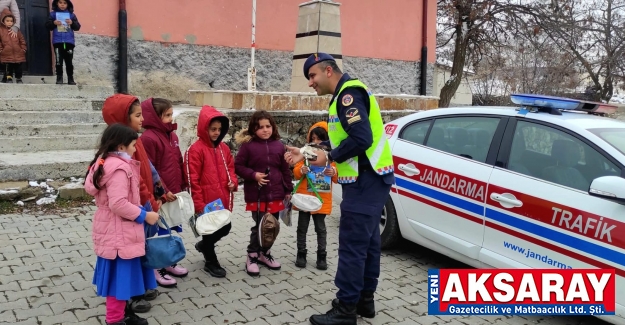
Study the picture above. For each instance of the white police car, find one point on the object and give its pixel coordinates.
(537, 186)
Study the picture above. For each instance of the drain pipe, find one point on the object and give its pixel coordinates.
(424, 50)
(122, 63)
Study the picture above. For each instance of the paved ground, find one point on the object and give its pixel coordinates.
(46, 266)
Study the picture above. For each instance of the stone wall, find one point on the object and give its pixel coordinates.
(170, 69)
(292, 125)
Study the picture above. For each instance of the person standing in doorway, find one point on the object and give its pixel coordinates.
(12, 49)
(366, 172)
(63, 23)
(15, 10)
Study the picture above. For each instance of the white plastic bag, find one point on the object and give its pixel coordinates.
(210, 222)
(175, 213)
(304, 202)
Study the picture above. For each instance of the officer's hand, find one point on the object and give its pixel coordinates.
(330, 171)
(293, 155)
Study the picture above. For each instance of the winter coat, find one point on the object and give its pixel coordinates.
(12, 49)
(115, 110)
(66, 36)
(255, 155)
(162, 147)
(326, 208)
(15, 10)
(115, 230)
(209, 165)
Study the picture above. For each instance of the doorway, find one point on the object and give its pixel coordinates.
(33, 16)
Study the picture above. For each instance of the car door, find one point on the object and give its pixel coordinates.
(538, 210)
(441, 174)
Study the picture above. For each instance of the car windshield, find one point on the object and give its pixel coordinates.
(613, 136)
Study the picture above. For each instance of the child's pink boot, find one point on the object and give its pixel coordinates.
(163, 279)
(267, 260)
(177, 271)
(251, 265)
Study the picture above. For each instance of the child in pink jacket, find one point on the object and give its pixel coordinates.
(118, 225)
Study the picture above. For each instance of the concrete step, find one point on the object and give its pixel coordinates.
(45, 104)
(28, 79)
(55, 91)
(37, 144)
(44, 164)
(52, 130)
(60, 117)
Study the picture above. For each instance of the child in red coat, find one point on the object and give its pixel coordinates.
(161, 146)
(210, 176)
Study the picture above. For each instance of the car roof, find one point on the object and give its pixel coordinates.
(576, 119)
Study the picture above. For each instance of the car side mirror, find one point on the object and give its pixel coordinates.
(609, 188)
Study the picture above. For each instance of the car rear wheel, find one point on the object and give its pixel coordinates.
(389, 228)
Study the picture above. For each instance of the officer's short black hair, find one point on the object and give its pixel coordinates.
(335, 67)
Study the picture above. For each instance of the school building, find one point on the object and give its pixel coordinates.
(174, 46)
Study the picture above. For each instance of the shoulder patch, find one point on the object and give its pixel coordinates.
(347, 100)
(352, 115)
(351, 112)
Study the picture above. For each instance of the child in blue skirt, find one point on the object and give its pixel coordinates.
(118, 225)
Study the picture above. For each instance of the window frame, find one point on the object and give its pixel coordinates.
(495, 144)
(505, 149)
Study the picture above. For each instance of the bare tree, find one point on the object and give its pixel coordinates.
(472, 28)
(591, 32)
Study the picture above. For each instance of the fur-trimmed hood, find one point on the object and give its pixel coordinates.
(243, 136)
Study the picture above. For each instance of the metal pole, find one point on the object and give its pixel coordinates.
(122, 72)
(251, 72)
(424, 50)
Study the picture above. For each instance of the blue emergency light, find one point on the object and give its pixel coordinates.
(553, 105)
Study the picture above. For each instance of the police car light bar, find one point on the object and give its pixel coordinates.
(553, 105)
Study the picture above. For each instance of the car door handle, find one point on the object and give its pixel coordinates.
(409, 169)
(506, 200)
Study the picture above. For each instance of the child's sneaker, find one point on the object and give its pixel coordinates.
(122, 322)
(8, 79)
(177, 271)
(267, 260)
(133, 319)
(251, 265)
(163, 279)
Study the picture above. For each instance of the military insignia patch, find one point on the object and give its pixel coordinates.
(352, 115)
(347, 100)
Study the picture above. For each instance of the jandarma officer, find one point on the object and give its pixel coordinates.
(365, 171)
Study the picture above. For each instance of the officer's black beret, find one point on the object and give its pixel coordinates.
(314, 59)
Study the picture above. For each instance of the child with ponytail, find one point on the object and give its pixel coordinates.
(118, 225)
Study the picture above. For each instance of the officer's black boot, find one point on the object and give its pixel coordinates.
(365, 306)
(301, 258)
(59, 74)
(131, 318)
(321, 260)
(342, 314)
